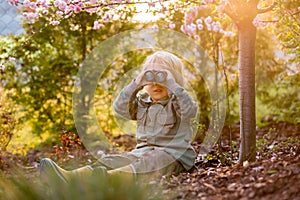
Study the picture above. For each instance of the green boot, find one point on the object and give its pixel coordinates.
(49, 169)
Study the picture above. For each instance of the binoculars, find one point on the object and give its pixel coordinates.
(155, 76)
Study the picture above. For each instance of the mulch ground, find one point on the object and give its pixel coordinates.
(274, 175)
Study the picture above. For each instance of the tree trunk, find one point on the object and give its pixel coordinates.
(247, 37)
(243, 12)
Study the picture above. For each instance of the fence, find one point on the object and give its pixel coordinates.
(10, 19)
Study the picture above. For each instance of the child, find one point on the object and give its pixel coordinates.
(163, 114)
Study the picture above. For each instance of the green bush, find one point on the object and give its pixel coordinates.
(7, 119)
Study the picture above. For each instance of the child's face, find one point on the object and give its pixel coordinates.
(156, 91)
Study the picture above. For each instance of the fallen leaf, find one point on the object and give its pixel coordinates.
(209, 186)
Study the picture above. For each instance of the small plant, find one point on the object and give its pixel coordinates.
(200, 131)
(8, 120)
(272, 130)
(70, 142)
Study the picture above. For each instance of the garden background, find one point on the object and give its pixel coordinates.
(43, 47)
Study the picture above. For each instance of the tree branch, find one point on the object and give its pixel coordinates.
(253, 2)
(267, 9)
(228, 10)
(122, 3)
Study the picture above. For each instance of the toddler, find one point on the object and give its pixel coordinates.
(163, 110)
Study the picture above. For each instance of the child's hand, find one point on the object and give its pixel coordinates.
(140, 81)
(169, 74)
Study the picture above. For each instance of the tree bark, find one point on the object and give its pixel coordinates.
(243, 12)
(247, 37)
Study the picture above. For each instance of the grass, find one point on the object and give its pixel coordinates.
(92, 188)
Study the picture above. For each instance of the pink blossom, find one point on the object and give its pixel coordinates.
(93, 1)
(183, 28)
(80, 4)
(208, 26)
(208, 20)
(26, 3)
(56, 3)
(199, 21)
(187, 19)
(221, 8)
(257, 22)
(216, 26)
(191, 29)
(228, 34)
(155, 28)
(62, 5)
(151, 4)
(12, 59)
(176, 7)
(190, 15)
(106, 17)
(200, 27)
(208, 1)
(215, 29)
(60, 13)
(221, 15)
(54, 23)
(71, 7)
(118, 1)
(197, 37)
(77, 9)
(202, 7)
(45, 12)
(41, 2)
(2, 67)
(13, 2)
(172, 25)
(92, 10)
(31, 15)
(97, 25)
(32, 5)
(68, 13)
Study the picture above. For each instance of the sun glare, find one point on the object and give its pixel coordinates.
(144, 12)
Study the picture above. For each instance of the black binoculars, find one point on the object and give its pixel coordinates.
(155, 76)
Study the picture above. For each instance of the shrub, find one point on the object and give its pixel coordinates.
(8, 120)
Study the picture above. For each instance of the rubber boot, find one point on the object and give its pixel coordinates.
(49, 169)
(126, 172)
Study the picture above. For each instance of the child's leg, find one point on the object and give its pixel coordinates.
(49, 169)
(157, 163)
(154, 164)
(115, 161)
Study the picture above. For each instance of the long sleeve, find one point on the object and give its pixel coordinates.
(188, 108)
(126, 102)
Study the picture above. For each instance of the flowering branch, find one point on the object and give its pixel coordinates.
(267, 9)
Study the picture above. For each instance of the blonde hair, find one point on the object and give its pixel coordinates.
(168, 61)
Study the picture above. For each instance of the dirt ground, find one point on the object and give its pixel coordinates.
(274, 175)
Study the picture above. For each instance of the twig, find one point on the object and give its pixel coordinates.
(267, 9)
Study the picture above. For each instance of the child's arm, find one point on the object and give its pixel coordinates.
(188, 108)
(126, 102)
